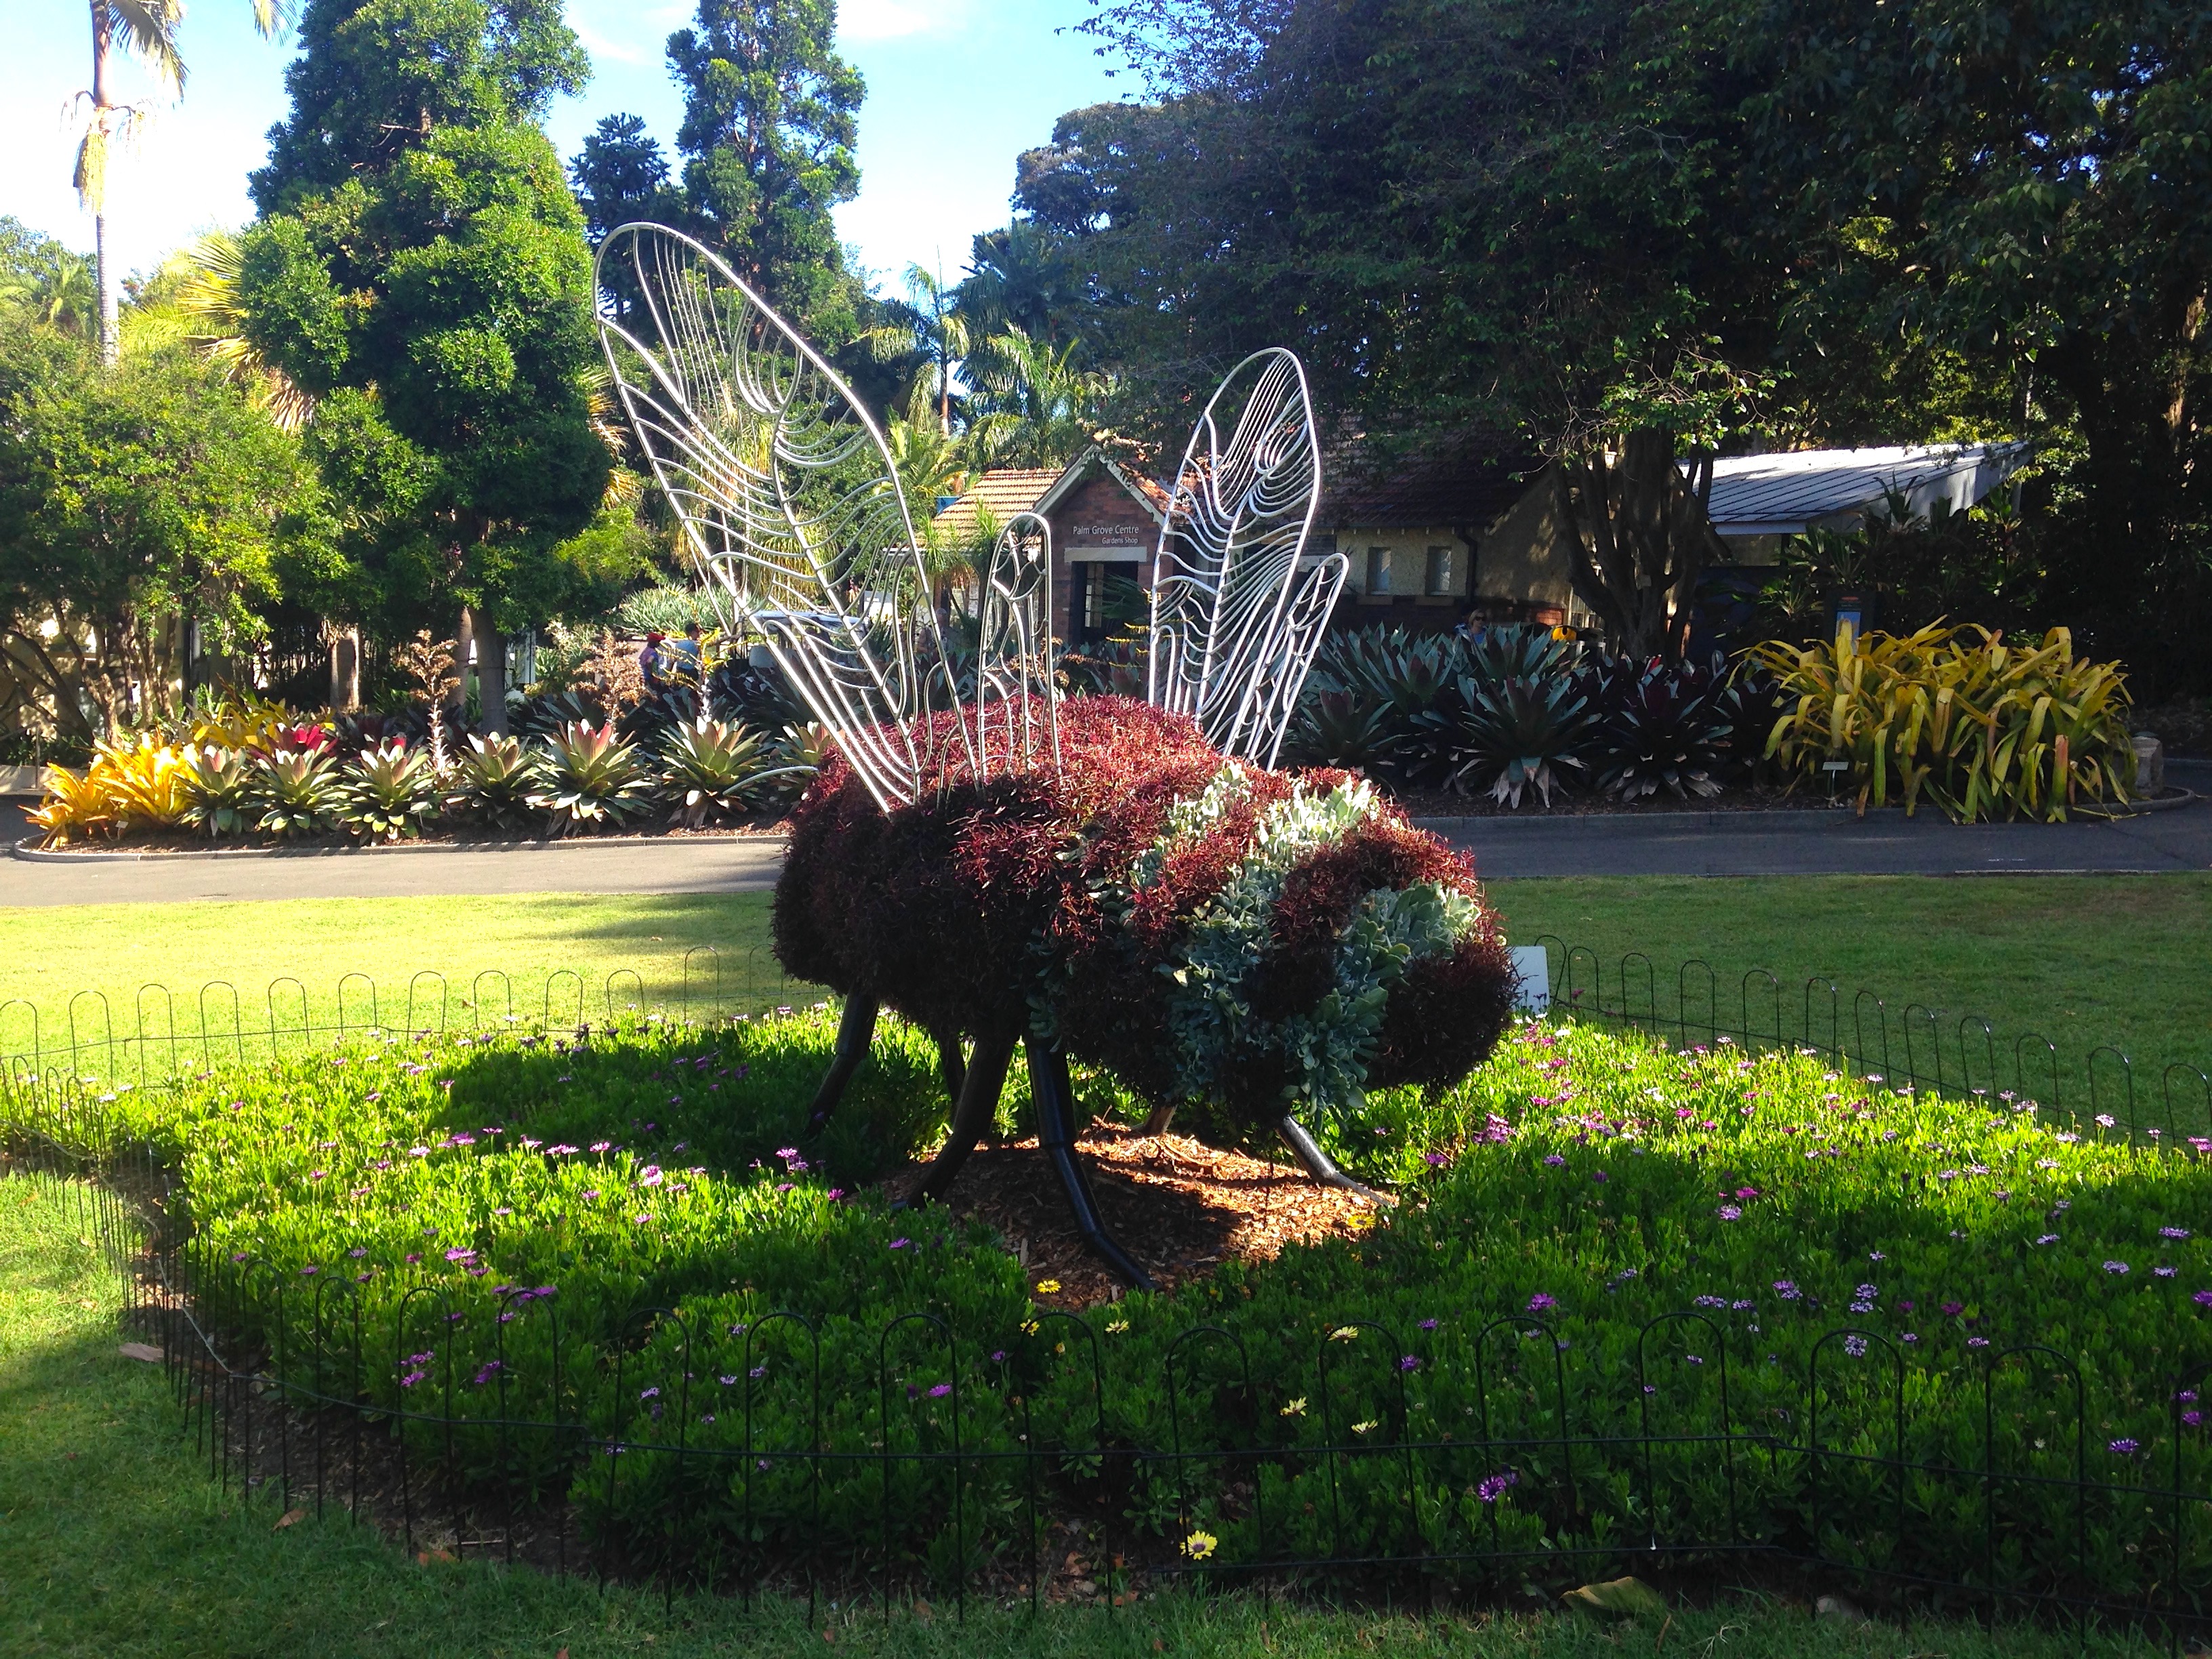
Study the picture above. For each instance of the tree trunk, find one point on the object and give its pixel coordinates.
(110, 342)
(491, 678)
(1639, 538)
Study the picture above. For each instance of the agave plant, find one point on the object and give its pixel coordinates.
(491, 783)
(296, 792)
(707, 768)
(1663, 727)
(1390, 668)
(388, 794)
(1522, 650)
(1516, 735)
(220, 781)
(1341, 728)
(585, 774)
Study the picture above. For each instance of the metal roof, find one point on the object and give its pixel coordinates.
(1788, 493)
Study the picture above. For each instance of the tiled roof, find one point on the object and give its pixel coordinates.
(1006, 491)
(1468, 480)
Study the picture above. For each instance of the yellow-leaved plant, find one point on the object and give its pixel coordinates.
(1982, 727)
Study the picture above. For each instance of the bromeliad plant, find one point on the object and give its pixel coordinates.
(296, 792)
(388, 794)
(221, 782)
(1663, 727)
(707, 770)
(1518, 736)
(490, 784)
(587, 775)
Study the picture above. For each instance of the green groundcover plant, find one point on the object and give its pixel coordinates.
(1632, 1291)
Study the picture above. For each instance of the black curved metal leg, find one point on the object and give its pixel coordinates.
(1055, 1099)
(978, 1104)
(1322, 1167)
(854, 1033)
(951, 1064)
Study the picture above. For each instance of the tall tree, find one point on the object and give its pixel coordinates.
(146, 30)
(420, 269)
(769, 126)
(2029, 189)
(621, 174)
(131, 499)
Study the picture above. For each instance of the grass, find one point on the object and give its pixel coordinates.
(2084, 960)
(113, 1542)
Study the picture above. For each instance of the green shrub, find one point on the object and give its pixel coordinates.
(1576, 1189)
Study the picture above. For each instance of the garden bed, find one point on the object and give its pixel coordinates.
(1726, 1301)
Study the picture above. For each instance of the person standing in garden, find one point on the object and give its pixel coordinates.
(648, 661)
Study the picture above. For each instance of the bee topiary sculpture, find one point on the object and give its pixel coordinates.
(1130, 883)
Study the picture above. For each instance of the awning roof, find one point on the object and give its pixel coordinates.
(1788, 493)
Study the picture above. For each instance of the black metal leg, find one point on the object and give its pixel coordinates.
(1055, 1100)
(1322, 1167)
(854, 1033)
(951, 1065)
(978, 1104)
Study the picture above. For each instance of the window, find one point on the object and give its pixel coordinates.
(1378, 570)
(1439, 575)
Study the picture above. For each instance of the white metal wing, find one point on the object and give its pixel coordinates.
(1235, 617)
(788, 496)
(1017, 707)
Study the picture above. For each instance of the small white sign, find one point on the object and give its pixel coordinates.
(1532, 978)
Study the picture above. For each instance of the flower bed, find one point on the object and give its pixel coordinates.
(1633, 1293)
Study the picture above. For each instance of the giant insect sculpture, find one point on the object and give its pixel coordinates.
(1130, 883)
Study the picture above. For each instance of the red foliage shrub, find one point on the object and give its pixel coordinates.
(993, 907)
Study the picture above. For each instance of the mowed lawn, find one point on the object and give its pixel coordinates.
(2082, 960)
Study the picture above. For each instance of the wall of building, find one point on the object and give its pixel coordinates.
(1096, 524)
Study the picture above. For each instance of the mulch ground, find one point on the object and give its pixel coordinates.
(1180, 1206)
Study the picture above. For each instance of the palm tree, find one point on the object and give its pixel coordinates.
(1036, 408)
(926, 330)
(146, 30)
(214, 325)
(60, 294)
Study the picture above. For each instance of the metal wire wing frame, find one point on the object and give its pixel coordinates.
(1016, 703)
(1235, 621)
(789, 499)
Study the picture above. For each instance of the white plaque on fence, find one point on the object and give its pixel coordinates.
(1532, 978)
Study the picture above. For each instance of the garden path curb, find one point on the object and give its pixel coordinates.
(27, 850)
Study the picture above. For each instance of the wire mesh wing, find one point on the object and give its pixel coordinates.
(1234, 621)
(1017, 706)
(787, 497)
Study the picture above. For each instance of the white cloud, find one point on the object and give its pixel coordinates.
(601, 48)
(894, 20)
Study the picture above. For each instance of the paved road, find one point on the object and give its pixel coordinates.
(1812, 842)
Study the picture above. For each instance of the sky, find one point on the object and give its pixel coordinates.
(956, 90)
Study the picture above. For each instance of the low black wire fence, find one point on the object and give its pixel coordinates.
(1032, 1461)
(1879, 1041)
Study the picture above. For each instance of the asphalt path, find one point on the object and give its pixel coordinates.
(1812, 841)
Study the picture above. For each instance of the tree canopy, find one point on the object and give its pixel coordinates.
(421, 270)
